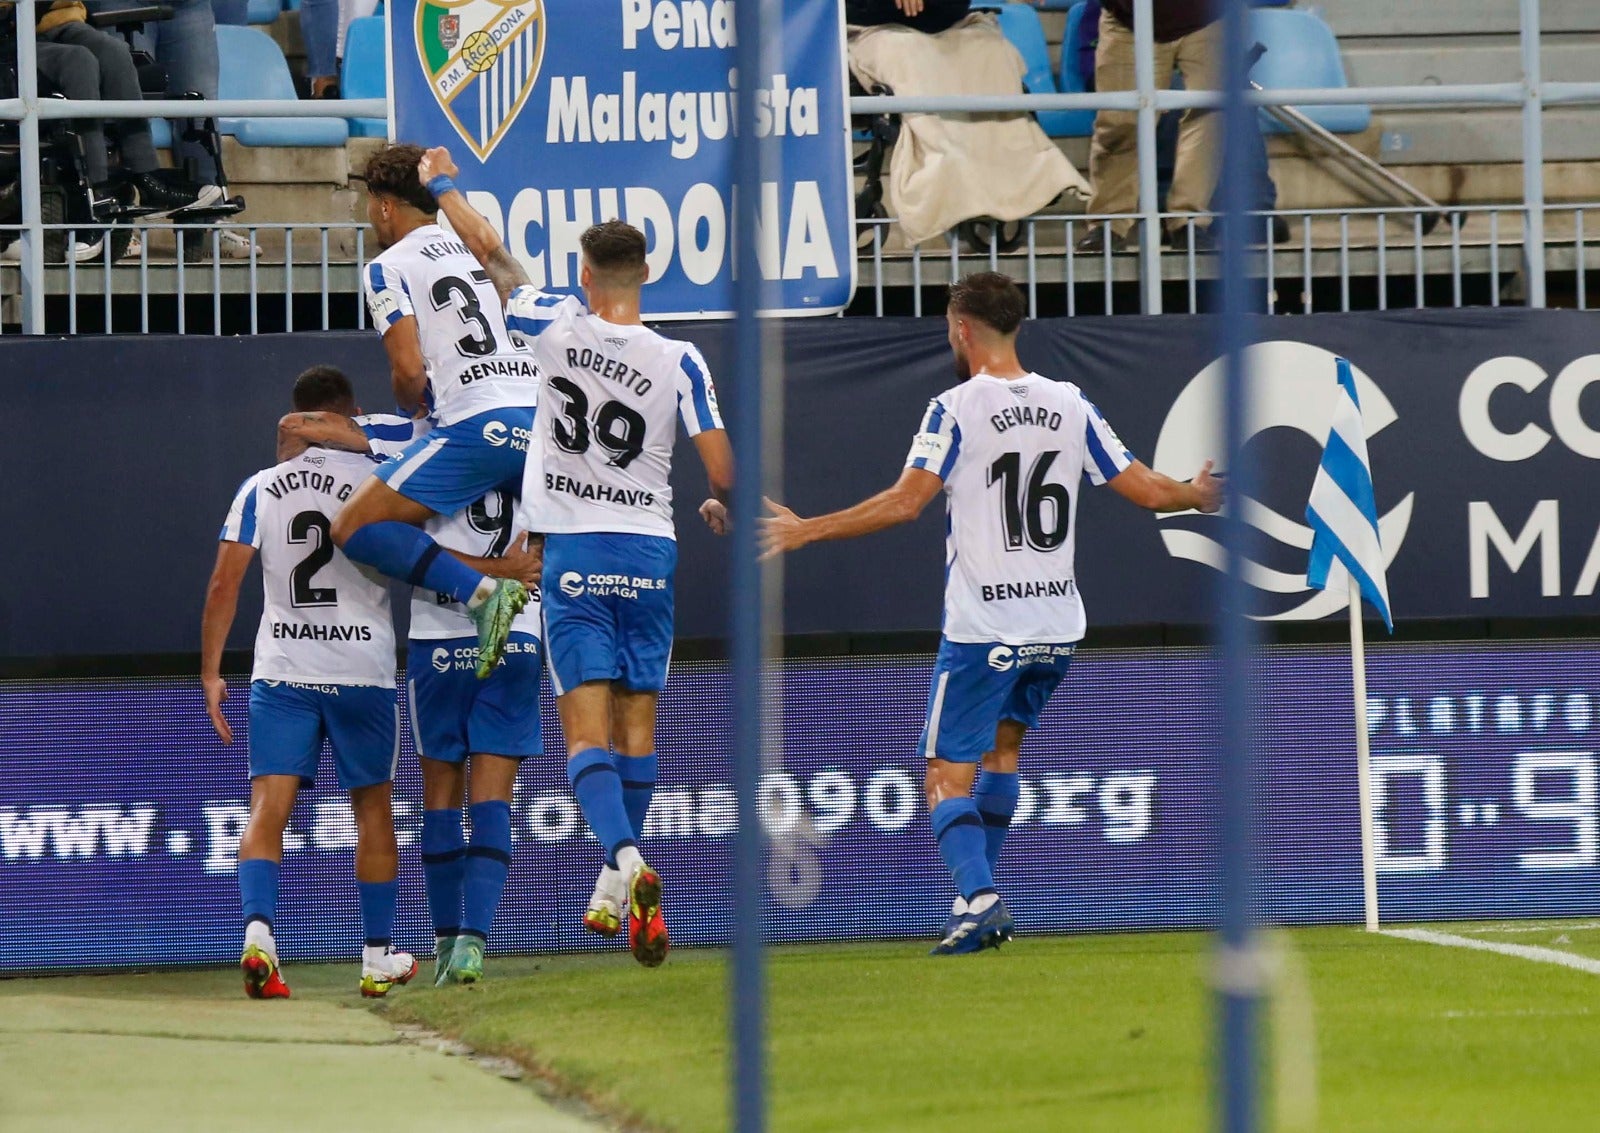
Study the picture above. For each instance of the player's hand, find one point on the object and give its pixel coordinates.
(781, 530)
(1210, 489)
(715, 513)
(435, 162)
(910, 7)
(216, 692)
(524, 560)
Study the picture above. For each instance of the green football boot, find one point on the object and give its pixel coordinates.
(493, 617)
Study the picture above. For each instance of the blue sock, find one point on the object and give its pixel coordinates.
(377, 911)
(488, 860)
(444, 851)
(599, 792)
(996, 799)
(410, 555)
(638, 775)
(959, 832)
(258, 890)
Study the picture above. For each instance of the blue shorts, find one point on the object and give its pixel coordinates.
(977, 686)
(454, 714)
(607, 603)
(288, 723)
(451, 466)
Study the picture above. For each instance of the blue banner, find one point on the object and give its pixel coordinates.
(563, 113)
(120, 812)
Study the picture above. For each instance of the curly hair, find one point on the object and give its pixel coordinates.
(392, 172)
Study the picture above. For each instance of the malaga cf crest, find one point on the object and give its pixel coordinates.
(482, 58)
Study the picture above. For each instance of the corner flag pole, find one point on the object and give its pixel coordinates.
(1358, 676)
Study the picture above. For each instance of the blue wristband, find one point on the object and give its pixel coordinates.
(440, 185)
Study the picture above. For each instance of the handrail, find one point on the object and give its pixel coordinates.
(57, 108)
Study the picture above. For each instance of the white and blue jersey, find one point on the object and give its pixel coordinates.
(1012, 454)
(599, 485)
(453, 713)
(324, 653)
(473, 365)
(613, 398)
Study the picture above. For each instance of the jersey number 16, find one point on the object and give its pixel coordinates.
(1022, 505)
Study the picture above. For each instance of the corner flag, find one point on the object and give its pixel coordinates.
(1343, 512)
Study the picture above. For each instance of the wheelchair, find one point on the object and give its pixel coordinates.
(65, 192)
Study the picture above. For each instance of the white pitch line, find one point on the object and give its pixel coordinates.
(1522, 951)
(1581, 927)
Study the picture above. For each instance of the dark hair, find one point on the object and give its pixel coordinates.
(323, 387)
(991, 298)
(615, 249)
(392, 171)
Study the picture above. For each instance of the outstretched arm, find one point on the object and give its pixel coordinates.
(1148, 488)
(299, 431)
(472, 226)
(783, 530)
(222, 601)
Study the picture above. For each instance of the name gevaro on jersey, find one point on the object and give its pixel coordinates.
(302, 631)
(628, 497)
(1013, 416)
(1048, 588)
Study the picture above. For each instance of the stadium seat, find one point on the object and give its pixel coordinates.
(1302, 52)
(160, 133)
(265, 11)
(1020, 23)
(364, 72)
(252, 66)
(1071, 80)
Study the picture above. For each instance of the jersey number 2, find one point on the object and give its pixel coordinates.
(301, 592)
(1022, 506)
(618, 429)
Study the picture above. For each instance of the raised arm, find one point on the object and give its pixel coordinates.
(1143, 485)
(222, 601)
(299, 431)
(437, 171)
(783, 530)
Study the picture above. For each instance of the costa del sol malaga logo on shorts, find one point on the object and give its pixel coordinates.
(482, 58)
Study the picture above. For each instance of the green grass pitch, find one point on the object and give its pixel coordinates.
(1088, 1033)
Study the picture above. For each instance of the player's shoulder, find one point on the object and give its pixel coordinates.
(318, 460)
(390, 426)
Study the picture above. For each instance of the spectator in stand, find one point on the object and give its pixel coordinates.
(930, 16)
(354, 10)
(1187, 39)
(321, 30)
(82, 62)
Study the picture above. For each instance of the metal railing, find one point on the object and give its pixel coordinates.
(1457, 256)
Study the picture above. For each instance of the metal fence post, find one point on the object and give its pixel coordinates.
(1144, 76)
(1533, 156)
(32, 204)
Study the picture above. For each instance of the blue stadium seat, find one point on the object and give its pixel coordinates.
(1020, 23)
(1302, 52)
(160, 133)
(1071, 80)
(364, 73)
(252, 66)
(265, 11)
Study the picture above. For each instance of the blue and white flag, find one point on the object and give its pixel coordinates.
(1343, 512)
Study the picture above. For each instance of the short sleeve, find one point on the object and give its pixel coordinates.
(697, 396)
(240, 526)
(388, 300)
(529, 311)
(937, 442)
(1105, 457)
(388, 434)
